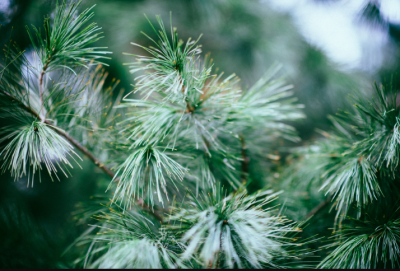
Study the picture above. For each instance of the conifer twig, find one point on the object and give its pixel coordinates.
(41, 87)
(245, 162)
(84, 150)
(319, 207)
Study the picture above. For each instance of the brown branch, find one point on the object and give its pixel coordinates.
(245, 158)
(41, 92)
(319, 207)
(84, 150)
(24, 106)
(105, 169)
(41, 87)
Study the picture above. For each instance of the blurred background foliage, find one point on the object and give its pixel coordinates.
(243, 37)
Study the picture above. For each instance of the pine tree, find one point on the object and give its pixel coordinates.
(178, 151)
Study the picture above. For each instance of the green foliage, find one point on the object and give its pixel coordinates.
(201, 117)
(233, 231)
(201, 101)
(33, 145)
(331, 165)
(65, 41)
(39, 109)
(379, 121)
(127, 239)
(201, 120)
(365, 141)
(357, 165)
(184, 125)
(87, 110)
(351, 181)
(144, 174)
(70, 103)
(170, 65)
(372, 136)
(367, 244)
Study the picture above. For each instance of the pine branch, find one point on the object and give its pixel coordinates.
(42, 73)
(245, 158)
(371, 243)
(127, 239)
(234, 231)
(23, 106)
(319, 207)
(41, 91)
(146, 171)
(76, 144)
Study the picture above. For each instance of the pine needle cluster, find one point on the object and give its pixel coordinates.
(356, 167)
